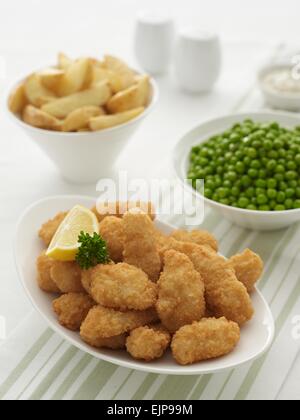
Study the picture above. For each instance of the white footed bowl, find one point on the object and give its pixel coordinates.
(84, 158)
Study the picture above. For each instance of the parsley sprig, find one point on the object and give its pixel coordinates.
(92, 251)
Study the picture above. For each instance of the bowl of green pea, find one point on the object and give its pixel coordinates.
(250, 164)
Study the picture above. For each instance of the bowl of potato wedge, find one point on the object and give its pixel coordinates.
(82, 112)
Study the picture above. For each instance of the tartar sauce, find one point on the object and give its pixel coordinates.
(282, 81)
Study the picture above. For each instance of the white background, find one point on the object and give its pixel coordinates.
(32, 32)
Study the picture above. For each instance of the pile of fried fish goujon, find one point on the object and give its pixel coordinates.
(158, 292)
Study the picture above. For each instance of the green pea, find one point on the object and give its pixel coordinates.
(253, 173)
(272, 193)
(280, 197)
(283, 186)
(210, 185)
(271, 165)
(216, 197)
(240, 167)
(223, 192)
(231, 176)
(289, 203)
(260, 191)
(278, 144)
(261, 183)
(208, 193)
(255, 164)
(280, 169)
(243, 202)
(250, 192)
(282, 153)
(271, 183)
(239, 155)
(290, 192)
(291, 175)
(235, 191)
(246, 181)
(279, 207)
(262, 173)
(247, 161)
(264, 207)
(272, 154)
(297, 159)
(293, 184)
(251, 207)
(297, 204)
(291, 165)
(279, 177)
(262, 199)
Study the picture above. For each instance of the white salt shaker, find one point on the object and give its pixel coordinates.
(154, 37)
(197, 60)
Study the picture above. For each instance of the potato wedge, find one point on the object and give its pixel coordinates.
(80, 118)
(125, 74)
(133, 97)
(40, 119)
(17, 100)
(63, 61)
(96, 96)
(116, 80)
(51, 78)
(107, 121)
(35, 91)
(76, 78)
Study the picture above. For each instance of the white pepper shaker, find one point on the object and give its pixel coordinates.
(197, 59)
(154, 38)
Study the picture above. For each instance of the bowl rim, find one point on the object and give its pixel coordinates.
(143, 367)
(20, 122)
(279, 96)
(213, 203)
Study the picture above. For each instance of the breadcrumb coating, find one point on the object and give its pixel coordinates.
(67, 276)
(72, 309)
(207, 339)
(248, 268)
(122, 286)
(200, 237)
(49, 228)
(148, 343)
(140, 248)
(104, 322)
(119, 208)
(180, 292)
(45, 282)
(112, 231)
(224, 294)
(113, 343)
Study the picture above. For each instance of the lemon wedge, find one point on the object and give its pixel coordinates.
(64, 245)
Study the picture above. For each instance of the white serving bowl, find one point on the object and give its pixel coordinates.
(249, 219)
(86, 157)
(277, 100)
(256, 336)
